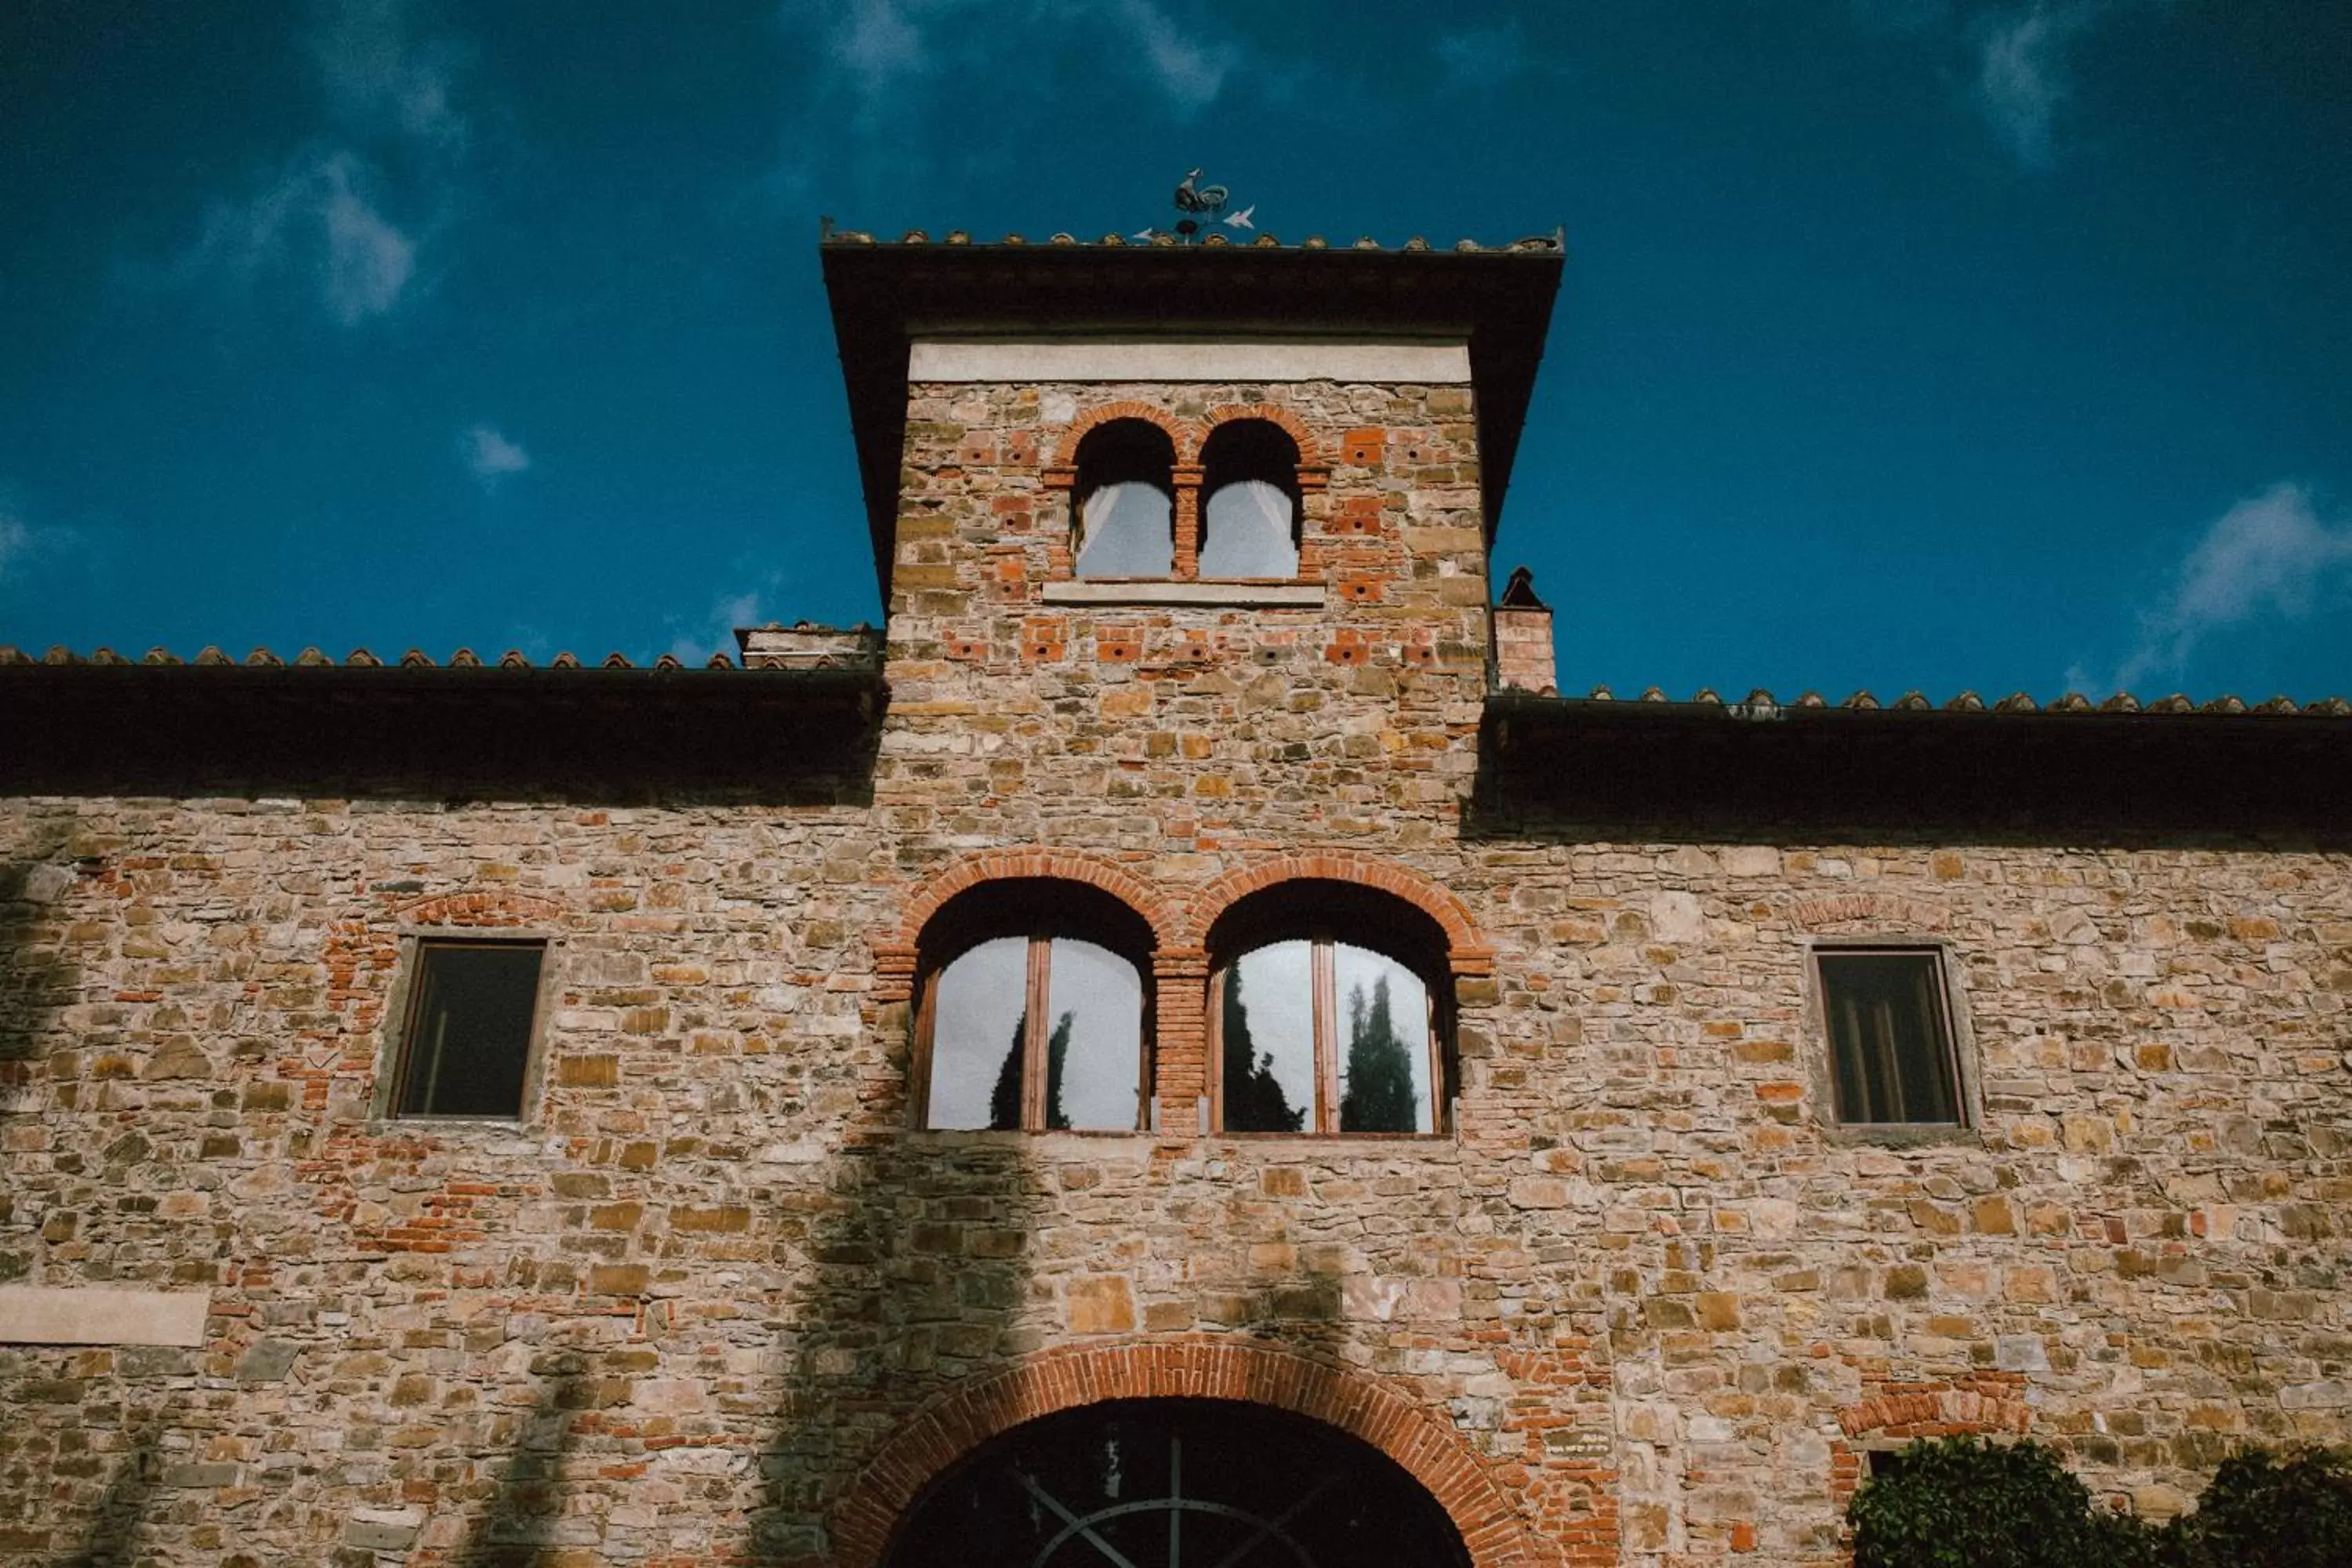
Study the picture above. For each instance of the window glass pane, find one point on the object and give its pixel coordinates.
(1127, 529)
(1268, 1036)
(469, 1030)
(979, 1009)
(1246, 532)
(1890, 1042)
(1384, 1044)
(1094, 1058)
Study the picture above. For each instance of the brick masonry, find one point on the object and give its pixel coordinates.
(713, 1303)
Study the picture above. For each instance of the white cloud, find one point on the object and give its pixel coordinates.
(1901, 15)
(883, 44)
(489, 457)
(26, 544)
(2270, 555)
(2023, 75)
(368, 261)
(1483, 56)
(16, 541)
(694, 645)
(317, 219)
(378, 77)
(325, 215)
(1191, 73)
(875, 41)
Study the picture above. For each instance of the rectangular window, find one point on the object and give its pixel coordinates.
(1890, 1030)
(465, 1046)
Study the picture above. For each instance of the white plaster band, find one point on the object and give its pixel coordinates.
(1446, 363)
(48, 1315)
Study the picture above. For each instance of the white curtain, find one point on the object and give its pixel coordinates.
(1248, 531)
(1127, 530)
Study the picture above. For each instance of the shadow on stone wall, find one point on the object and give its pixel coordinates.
(109, 1537)
(919, 1278)
(520, 1524)
(37, 980)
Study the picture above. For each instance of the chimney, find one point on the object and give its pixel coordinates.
(1523, 638)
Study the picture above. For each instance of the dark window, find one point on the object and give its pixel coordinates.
(467, 1045)
(1176, 1483)
(1033, 1017)
(1890, 1028)
(1318, 1025)
(1249, 489)
(1125, 488)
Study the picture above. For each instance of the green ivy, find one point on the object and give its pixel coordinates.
(1960, 1503)
(1957, 1502)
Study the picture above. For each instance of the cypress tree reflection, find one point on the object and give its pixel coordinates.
(1254, 1099)
(1379, 1096)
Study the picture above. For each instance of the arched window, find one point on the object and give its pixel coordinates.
(1325, 1013)
(1033, 1010)
(1127, 501)
(1176, 1481)
(1249, 509)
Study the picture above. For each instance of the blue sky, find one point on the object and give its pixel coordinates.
(1904, 343)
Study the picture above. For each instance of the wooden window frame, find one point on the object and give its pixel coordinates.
(396, 1060)
(1951, 1047)
(1036, 1033)
(1323, 970)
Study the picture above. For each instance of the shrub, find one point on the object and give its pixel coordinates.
(2269, 1510)
(1959, 1503)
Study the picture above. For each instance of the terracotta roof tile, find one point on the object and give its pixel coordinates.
(1213, 239)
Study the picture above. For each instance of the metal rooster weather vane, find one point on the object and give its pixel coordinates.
(1201, 204)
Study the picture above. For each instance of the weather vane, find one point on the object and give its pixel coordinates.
(1201, 204)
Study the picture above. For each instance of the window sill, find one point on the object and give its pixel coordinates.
(1331, 1145)
(1901, 1134)
(1263, 595)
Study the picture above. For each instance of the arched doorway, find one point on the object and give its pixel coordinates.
(1175, 1483)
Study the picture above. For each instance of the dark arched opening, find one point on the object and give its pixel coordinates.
(1176, 1483)
(1126, 514)
(1249, 501)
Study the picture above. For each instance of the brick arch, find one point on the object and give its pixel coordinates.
(1310, 453)
(1883, 911)
(1192, 1367)
(1466, 951)
(894, 955)
(1987, 1404)
(481, 909)
(1185, 437)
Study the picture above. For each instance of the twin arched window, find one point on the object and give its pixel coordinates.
(1139, 516)
(1323, 1017)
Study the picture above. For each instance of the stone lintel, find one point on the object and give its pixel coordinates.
(1045, 360)
(75, 1315)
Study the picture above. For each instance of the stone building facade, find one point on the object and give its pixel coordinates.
(1636, 1291)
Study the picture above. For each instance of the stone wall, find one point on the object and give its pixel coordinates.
(1639, 1305)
